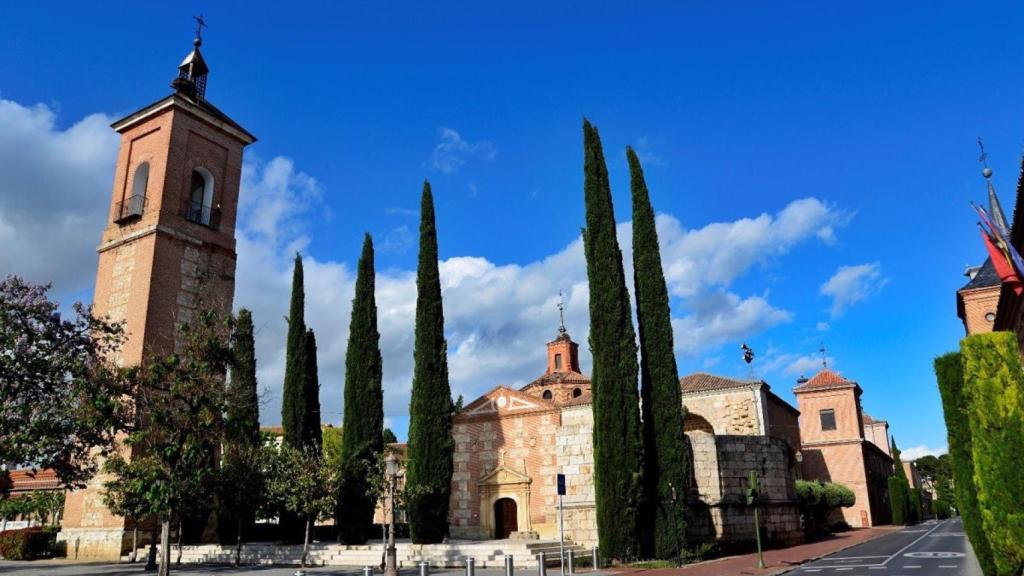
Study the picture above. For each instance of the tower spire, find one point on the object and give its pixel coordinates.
(192, 71)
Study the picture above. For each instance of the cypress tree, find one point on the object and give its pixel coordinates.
(950, 376)
(429, 467)
(293, 406)
(311, 435)
(618, 482)
(665, 463)
(243, 410)
(363, 441)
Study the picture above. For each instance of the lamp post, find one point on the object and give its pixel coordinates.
(391, 469)
(675, 527)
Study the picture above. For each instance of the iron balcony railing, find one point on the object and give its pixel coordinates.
(203, 214)
(130, 208)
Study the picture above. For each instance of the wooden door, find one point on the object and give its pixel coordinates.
(506, 519)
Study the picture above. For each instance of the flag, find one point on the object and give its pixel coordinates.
(1004, 269)
(1001, 239)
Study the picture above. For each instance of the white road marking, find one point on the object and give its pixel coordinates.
(812, 569)
(876, 567)
(948, 566)
(843, 569)
(912, 567)
(907, 547)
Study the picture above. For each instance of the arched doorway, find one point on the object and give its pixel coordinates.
(505, 518)
(697, 423)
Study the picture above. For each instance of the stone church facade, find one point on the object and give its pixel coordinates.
(511, 443)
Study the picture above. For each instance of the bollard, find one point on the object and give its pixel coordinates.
(424, 569)
(571, 569)
(595, 559)
(542, 565)
(367, 571)
(509, 567)
(470, 566)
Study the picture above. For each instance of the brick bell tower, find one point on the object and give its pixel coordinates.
(168, 249)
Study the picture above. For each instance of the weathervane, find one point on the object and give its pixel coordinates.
(200, 24)
(824, 360)
(561, 313)
(986, 171)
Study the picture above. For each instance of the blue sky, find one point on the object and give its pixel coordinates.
(781, 143)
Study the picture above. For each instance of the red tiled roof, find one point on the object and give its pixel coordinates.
(826, 379)
(22, 481)
(704, 382)
(558, 378)
(869, 420)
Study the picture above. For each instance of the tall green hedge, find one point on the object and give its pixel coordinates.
(898, 499)
(915, 511)
(994, 388)
(950, 377)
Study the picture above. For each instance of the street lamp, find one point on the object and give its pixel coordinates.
(391, 470)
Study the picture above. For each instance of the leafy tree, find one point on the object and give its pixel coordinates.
(127, 497)
(10, 509)
(294, 409)
(666, 470)
(242, 483)
(618, 455)
(59, 402)
(364, 407)
(332, 440)
(389, 437)
(180, 400)
(299, 484)
(994, 388)
(950, 376)
(48, 506)
(429, 464)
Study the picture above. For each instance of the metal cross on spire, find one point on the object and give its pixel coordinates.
(824, 359)
(200, 24)
(561, 313)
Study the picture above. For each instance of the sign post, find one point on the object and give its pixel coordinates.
(753, 493)
(561, 527)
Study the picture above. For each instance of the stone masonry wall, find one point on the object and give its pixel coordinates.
(721, 465)
(575, 458)
(733, 412)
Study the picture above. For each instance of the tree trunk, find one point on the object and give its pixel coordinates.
(305, 546)
(151, 561)
(181, 527)
(4, 529)
(165, 547)
(135, 544)
(238, 546)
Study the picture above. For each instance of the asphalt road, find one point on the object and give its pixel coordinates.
(934, 548)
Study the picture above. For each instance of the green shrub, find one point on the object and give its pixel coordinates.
(950, 376)
(27, 544)
(817, 499)
(994, 390)
(942, 509)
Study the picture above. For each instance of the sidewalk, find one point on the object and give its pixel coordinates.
(777, 561)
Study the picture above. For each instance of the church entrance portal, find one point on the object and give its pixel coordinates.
(505, 518)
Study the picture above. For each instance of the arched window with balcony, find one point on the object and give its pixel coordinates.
(200, 200)
(135, 203)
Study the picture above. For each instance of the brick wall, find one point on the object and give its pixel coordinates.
(977, 304)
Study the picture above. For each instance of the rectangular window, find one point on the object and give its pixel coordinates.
(558, 361)
(828, 419)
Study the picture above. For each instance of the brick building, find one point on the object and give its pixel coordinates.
(168, 249)
(978, 300)
(835, 446)
(510, 444)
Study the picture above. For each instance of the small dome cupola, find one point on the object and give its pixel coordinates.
(192, 71)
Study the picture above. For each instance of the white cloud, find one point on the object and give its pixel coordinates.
(822, 327)
(452, 152)
(498, 317)
(795, 364)
(54, 194)
(915, 452)
(648, 157)
(853, 284)
(398, 240)
(718, 253)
